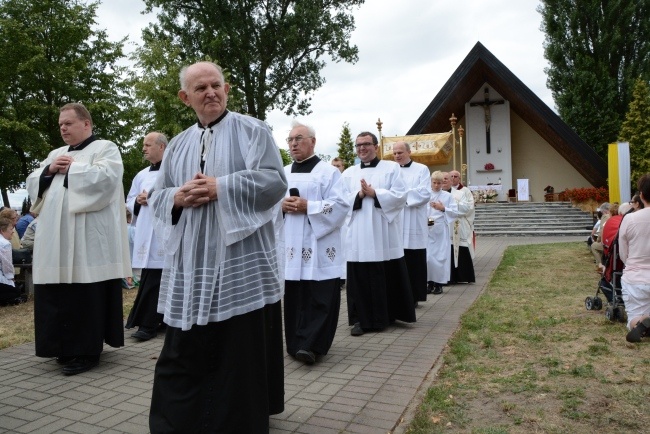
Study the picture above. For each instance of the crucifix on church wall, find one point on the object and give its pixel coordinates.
(486, 107)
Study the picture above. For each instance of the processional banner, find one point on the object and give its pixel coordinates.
(428, 149)
(619, 172)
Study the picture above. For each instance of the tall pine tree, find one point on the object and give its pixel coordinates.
(595, 49)
(636, 131)
(346, 146)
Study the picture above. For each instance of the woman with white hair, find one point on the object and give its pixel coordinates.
(442, 212)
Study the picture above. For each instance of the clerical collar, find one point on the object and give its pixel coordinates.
(83, 144)
(155, 167)
(213, 123)
(301, 162)
(372, 163)
(458, 187)
(407, 164)
(306, 165)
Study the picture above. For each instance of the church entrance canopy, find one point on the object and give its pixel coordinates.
(428, 149)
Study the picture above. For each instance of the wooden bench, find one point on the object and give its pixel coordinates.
(26, 272)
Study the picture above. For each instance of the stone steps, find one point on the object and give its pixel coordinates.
(531, 219)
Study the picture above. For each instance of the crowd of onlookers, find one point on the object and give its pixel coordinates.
(17, 237)
(628, 225)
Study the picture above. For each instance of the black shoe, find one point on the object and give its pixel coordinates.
(64, 360)
(639, 331)
(19, 300)
(357, 330)
(437, 289)
(429, 287)
(145, 333)
(81, 364)
(306, 356)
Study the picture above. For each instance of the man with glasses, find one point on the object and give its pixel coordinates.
(378, 289)
(414, 218)
(462, 232)
(314, 256)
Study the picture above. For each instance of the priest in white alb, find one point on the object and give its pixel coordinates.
(442, 213)
(81, 250)
(414, 218)
(148, 254)
(314, 257)
(378, 288)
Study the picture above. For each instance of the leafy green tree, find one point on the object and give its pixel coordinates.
(274, 50)
(636, 131)
(286, 158)
(346, 146)
(51, 55)
(596, 49)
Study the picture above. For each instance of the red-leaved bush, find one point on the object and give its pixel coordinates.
(598, 194)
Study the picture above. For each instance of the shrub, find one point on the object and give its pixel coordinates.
(598, 194)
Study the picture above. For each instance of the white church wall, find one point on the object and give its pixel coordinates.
(500, 141)
(535, 159)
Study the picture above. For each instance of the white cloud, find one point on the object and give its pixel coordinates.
(407, 51)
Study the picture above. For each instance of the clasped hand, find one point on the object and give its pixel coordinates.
(61, 164)
(196, 192)
(366, 190)
(294, 205)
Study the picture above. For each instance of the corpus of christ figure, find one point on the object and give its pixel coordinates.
(486, 107)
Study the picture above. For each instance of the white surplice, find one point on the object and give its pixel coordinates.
(223, 258)
(147, 251)
(439, 241)
(374, 233)
(462, 230)
(414, 214)
(313, 241)
(82, 233)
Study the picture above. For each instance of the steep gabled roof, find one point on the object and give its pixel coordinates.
(479, 67)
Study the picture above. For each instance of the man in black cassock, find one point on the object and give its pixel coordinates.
(81, 250)
(313, 245)
(216, 206)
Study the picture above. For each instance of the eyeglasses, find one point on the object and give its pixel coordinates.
(298, 139)
(455, 176)
(364, 145)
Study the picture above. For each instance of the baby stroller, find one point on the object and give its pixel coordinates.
(610, 284)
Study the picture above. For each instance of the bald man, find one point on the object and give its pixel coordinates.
(414, 218)
(147, 253)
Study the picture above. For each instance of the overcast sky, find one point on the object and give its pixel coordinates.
(407, 52)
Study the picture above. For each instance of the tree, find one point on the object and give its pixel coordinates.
(346, 146)
(286, 158)
(596, 49)
(636, 131)
(51, 56)
(273, 50)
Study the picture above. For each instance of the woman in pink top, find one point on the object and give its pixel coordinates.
(634, 245)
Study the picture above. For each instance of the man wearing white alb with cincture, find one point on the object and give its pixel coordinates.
(215, 205)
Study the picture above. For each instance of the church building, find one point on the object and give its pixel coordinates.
(509, 133)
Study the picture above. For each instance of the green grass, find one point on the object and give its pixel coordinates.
(528, 357)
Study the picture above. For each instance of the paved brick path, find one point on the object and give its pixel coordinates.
(367, 384)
